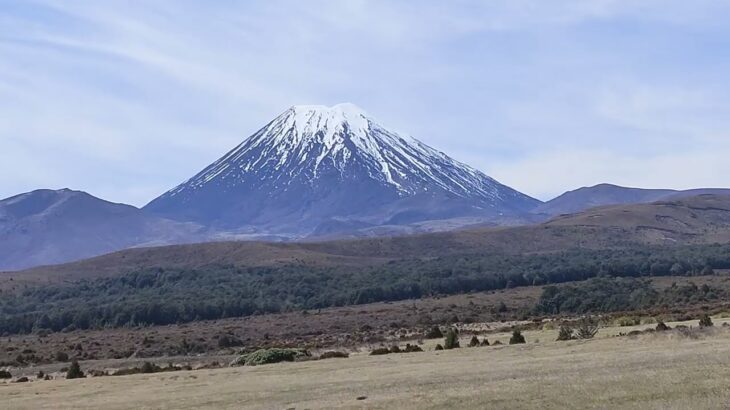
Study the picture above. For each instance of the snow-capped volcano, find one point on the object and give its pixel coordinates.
(314, 164)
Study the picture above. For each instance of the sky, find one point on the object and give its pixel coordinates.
(127, 99)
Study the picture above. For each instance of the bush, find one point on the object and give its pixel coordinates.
(4, 374)
(565, 333)
(333, 355)
(394, 349)
(496, 343)
(434, 333)
(451, 341)
(146, 368)
(706, 321)
(587, 329)
(474, 342)
(74, 371)
(485, 342)
(268, 356)
(412, 348)
(22, 380)
(661, 327)
(225, 341)
(380, 351)
(439, 347)
(516, 338)
(61, 357)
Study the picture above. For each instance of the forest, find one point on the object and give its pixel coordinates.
(160, 296)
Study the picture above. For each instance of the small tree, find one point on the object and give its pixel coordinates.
(74, 372)
(565, 333)
(661, 327)
(474, 342)
(706, 321)
(587, 329)
(516, 338)
(451, 341)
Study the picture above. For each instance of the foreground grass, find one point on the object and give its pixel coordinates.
(650, 371)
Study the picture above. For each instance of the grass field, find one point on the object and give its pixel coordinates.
(655, 371)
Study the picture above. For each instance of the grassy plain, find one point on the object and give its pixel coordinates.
(655, 371)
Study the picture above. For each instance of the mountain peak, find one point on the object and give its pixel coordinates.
(314, 163)
(341, 108)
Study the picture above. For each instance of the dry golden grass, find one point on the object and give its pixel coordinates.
(657, 371)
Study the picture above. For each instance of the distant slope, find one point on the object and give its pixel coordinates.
(695, 220)
(702, 218)
(607, 194)
(54, 226)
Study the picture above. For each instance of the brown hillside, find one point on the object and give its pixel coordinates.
(694, 220)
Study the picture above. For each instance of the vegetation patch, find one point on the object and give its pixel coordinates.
(334, 355)
(607, 294)
(148, 367)
(269, 356)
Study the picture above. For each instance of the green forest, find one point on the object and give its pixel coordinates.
(160, 296)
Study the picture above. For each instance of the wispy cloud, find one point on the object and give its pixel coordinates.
(127, 99)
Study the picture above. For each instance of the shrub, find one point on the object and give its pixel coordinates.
(587, 329)
(451, 341)
(496, 343)
(434, 333)
(225, 341)
(706, 321)
(439, 347)
(74, 371)
(268, 356)
(565, 333)
(661, 327)
(61, 357)
(146, 368)
(333, 355)
(485, 342)
(516, 338)
(628, 321)
(394, 349)
(474, 342)
(380, 351)
(412, 348)
(22, 380)
(40, 375)
(4, 374)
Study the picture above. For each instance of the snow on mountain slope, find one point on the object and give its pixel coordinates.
(314, 164)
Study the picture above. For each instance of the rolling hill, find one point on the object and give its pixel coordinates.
(606, 194)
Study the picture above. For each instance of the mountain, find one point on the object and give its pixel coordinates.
(698, 220)
(607, 194)
(317, 169)
(54, 226)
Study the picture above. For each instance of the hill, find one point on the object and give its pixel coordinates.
(607, 194)
(185, 283)
(53, 226)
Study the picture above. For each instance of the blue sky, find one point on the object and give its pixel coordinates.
(127, 99)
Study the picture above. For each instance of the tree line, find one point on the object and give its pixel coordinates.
(161, 296)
